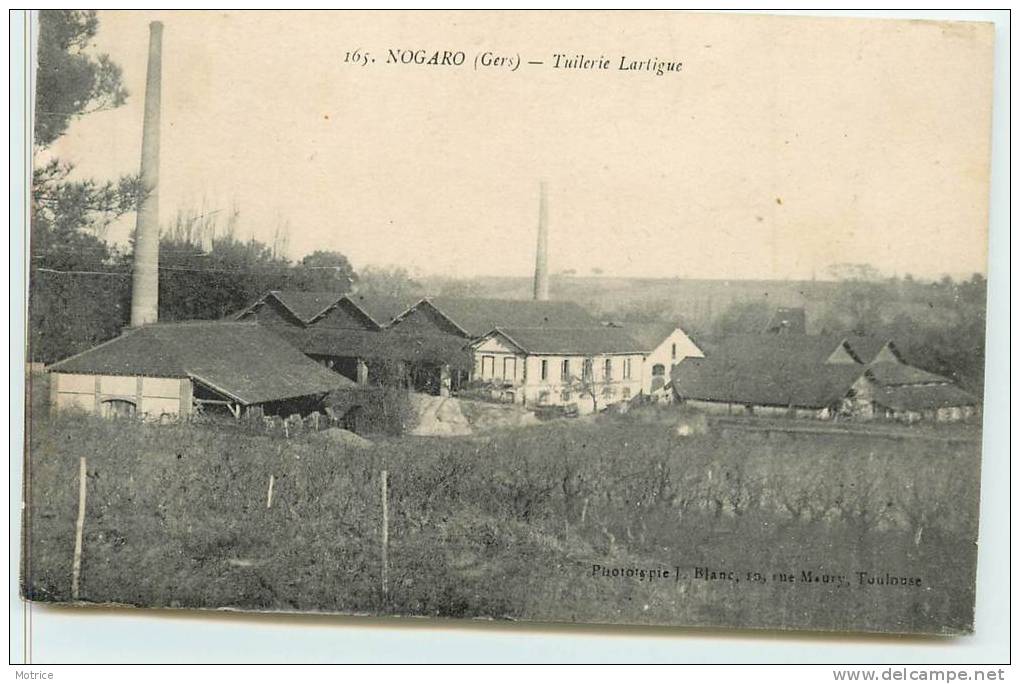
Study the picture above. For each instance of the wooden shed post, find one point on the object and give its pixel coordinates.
(186, 398)
(54, 392)
(385, 535)
(79, 530)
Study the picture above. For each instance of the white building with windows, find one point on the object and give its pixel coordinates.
(590, 368)
(665, 345)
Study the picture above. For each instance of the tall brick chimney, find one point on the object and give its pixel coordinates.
(145, 281)
(542, 249)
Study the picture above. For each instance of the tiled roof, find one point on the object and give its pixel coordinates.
(891, 374)
(476, 317)
(382, 309)
(382, 345)
(867, 347)
(304, 306)
(599, 340)
(783, 381)
(767, 349)
(649, 335)
(923, 397)
(245, 361)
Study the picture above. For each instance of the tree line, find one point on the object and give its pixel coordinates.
(938, 325)
(79, 284)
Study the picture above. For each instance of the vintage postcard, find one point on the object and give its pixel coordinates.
(647, 318)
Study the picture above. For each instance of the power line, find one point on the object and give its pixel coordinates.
(105, 273)
(190, 270)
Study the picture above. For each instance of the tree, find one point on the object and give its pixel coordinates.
(77, 282)
(592, 381)
(325, 271)
(70, 81)
(743, 318)
(207, 272)
(859, 302)
(389, 282)
(642, 311)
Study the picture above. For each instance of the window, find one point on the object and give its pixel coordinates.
(626, 393)
(509, 367)
(658, 369)
(626, 369)
(609, 369)
(588, 370)
(488, 367)
(565, 395)
(565, 370)
(545, 369)
(607, 392)
(674, 351)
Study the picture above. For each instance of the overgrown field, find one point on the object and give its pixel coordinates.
(511, 525)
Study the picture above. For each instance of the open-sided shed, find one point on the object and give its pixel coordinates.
(172, 369)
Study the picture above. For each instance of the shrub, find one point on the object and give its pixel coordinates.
(373, 410)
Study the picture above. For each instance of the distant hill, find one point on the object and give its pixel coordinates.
(694, 301)
(938, 325)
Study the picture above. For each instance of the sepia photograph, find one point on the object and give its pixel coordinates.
(608, 318)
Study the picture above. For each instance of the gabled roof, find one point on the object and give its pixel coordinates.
(868, 347)
(382, 309)
(382, 345)
(650, 335)
(304, 306)
(570, 341)
(244, 361)
(476, 317)
(784, 382)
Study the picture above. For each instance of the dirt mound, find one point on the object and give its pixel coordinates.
(345, 437)
(484, 416)
(439, 416)
(448, 416)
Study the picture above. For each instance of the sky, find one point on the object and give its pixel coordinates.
(784, 145)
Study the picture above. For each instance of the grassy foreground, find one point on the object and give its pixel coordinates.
(511, 525)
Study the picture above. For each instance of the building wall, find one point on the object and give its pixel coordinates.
(861, 403)
(841, 355)
(424, 319)
(152, 398)
(340, 316)
(945, 414)
(523, 378)
(504, 366)
(272, 312)
(664, 355)
(885, 354)
(733, 409)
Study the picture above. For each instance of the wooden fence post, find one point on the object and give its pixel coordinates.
(269, 495)
(79, 529)
(385, 536)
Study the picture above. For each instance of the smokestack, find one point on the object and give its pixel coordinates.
(145, 283)
(542, 250)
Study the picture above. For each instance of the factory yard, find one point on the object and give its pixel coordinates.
(625, 518)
